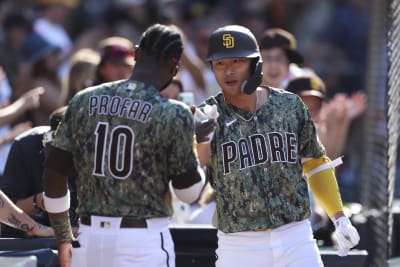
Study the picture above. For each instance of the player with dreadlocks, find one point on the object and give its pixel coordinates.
(122, 138)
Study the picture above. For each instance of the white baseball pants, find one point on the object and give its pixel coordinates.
(124, 247)
(291, 245)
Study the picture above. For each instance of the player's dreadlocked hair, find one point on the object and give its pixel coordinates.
(163, 42)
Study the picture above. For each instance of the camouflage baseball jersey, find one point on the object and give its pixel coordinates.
(255, 164)
(126, 140)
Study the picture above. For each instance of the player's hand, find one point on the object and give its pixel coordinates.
(75, 231)
(346, 235)
(65, 254)
(205, 122)
(205, 130)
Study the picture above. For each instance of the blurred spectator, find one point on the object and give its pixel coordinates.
(16, 26)
(193, 9)
(124, 18)
(93, 13)
(40, 60)
(277, 13)
(198, 34)
(117, 60)
(191, 72)
(81, 73)
(312, 91)
(51, 23)
(170, 11)
(11, 113)
(341, 109)
(280, 57)
(252, 15)
(307, 19)
(173, 90)
(22, 180)
(137, 16)
(332, 117)
(344, 41)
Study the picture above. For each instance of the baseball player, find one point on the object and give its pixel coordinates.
(127, 143)
(263, 142)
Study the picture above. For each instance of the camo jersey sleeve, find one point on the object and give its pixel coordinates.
(181, 133)
(309, 143)
(64, 136)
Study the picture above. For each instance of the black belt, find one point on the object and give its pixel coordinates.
(126, 222)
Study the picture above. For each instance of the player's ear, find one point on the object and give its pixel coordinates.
(174, 69)
(176, 66)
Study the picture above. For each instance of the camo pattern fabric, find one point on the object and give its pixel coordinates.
(255, 165)
(126, 140)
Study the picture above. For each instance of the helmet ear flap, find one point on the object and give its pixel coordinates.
(251, 84)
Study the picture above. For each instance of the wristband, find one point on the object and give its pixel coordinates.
(341, 221)
(57, 205)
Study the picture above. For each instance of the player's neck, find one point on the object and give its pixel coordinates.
(147, 78)
(243, 101)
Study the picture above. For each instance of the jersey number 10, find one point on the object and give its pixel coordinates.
(117, 155)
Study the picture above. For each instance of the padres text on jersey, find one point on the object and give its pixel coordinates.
(254, 165)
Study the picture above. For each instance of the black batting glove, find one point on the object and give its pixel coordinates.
(205, 130)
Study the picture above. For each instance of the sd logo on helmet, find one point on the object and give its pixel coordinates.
(237, 41)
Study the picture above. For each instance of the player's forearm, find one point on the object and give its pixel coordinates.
(13, 216)
(322, 180)
(204, 153)
(62, 226)
(58, 209)
(56, 199)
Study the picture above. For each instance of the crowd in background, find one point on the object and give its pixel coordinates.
(63, 46)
